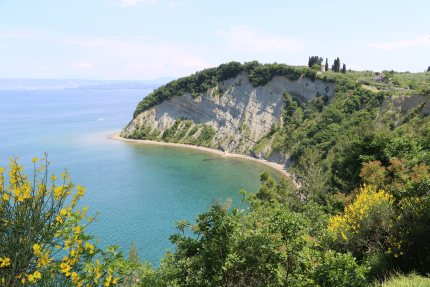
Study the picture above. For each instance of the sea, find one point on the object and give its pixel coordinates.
(139, 190)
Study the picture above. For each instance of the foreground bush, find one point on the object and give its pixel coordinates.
(266, 246)
(42, 240)
(365, 225)
(388, 235)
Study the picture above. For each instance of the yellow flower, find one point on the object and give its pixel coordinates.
(31, 278)
(343, 235)
(34, 159)
(5, 262)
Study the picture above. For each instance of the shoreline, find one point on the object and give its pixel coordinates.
(276, 166)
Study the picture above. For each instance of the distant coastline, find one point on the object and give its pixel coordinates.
(278, 167)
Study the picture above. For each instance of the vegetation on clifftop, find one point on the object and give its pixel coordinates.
(258, 74)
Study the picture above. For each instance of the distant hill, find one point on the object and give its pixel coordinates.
(81, 84)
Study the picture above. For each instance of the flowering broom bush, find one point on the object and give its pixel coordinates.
(42, 239)
(409, 243)
(365, 225)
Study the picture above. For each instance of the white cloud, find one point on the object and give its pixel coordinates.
(420, 41)
(82, 65)
(143, 67)
(125, 3)
(140, 57)
(143, 38)
(191, 63)
(19, 35)
(248, 39)
(176, 4)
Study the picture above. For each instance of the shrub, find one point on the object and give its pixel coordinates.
(364, 228)
(399, 179)
(238, 249)
(410, 239)
(37, 229)
(337, 269)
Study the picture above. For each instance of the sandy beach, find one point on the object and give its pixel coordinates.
(273, 165)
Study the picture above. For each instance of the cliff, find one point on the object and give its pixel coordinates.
(274, 111)
(236, 120)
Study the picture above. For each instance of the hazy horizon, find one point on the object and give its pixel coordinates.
(149, 39)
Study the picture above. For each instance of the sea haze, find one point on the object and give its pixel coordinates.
(140, 190)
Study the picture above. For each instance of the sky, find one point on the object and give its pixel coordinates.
(148, 39)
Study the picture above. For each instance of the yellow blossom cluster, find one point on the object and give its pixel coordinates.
(416, 208)
(46, 227)
(368, 200)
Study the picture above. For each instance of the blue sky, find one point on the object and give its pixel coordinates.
(148, 39)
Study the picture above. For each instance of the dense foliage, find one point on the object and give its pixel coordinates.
(199, 83)
(315, 60)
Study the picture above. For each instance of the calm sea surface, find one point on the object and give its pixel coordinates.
(140, 190)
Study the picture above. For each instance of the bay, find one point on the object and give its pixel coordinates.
(139, 190)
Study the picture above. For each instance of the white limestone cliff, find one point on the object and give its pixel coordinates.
(240, 117)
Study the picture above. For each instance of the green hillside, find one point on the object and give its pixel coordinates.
(362, 208)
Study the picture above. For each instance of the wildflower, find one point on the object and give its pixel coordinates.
(5, 262)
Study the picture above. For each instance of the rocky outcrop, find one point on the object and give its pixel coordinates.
(239, 113)
(396, 108)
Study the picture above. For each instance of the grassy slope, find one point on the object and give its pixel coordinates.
(411, 280)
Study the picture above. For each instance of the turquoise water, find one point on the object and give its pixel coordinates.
(140, 190)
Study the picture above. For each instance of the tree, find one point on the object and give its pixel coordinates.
(244, 249)
(314, 60)
(326, 64)
(336, 65)
(344, 69)
(428, 69)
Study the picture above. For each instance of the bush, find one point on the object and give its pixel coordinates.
(365, 226)
(37, 229)
(410, 239)
(238, 249)
(398, 179)
(339, 270)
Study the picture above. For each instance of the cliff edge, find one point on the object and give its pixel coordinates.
(234, 116)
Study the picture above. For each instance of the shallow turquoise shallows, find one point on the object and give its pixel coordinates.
(140, 190)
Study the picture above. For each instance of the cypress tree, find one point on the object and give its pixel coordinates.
(326, 64)
(336, 65)
(428, 69)
(344, 69)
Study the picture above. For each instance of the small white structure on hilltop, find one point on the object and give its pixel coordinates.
(322, 67)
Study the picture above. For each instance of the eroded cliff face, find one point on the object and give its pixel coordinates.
(397, 108)
(234, 121)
